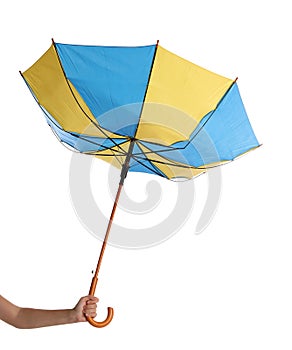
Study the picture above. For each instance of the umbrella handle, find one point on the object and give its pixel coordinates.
(100, 324)
(110, 310)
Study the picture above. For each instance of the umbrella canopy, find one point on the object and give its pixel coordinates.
(181, 117)
(142, 109)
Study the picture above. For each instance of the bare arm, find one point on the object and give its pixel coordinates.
(34, 318)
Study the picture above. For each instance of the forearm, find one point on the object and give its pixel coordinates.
(34, 318)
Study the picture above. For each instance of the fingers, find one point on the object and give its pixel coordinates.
(89, 309)
(91, 299)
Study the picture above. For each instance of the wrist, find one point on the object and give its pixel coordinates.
(73, 316)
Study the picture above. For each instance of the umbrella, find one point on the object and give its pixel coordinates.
(142, 109)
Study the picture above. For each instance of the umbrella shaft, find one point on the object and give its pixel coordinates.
(108, 229)
(124, 172)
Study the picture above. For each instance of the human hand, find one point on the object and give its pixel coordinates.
(86, 306)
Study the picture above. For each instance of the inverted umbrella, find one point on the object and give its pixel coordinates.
(142, 109)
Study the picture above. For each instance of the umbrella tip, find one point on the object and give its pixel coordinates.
(157, 42)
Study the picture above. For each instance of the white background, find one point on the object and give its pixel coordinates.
(229, 287)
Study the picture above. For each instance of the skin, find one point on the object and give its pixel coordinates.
(25, 318)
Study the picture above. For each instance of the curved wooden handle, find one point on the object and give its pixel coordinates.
(110, 315)
(110, 310)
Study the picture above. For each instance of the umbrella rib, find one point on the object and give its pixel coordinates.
(168, 149)
(146, 166)
(210, 116)
(53, 121)
(69, 132)
(40, 106)
(146, 90)
(179, 165)
(157, 152)
(95, 143)
(170, 162)
(116, 157)
(105, 155)
(66, 79)
(167, 163)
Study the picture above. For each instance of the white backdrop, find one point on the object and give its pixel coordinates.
(230, 286)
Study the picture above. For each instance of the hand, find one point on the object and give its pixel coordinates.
(86, 306)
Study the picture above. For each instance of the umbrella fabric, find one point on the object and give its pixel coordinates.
(182, 118)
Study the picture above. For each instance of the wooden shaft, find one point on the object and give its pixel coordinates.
(93, 285)
(124, 172)
(95, 277)
(108, 229)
